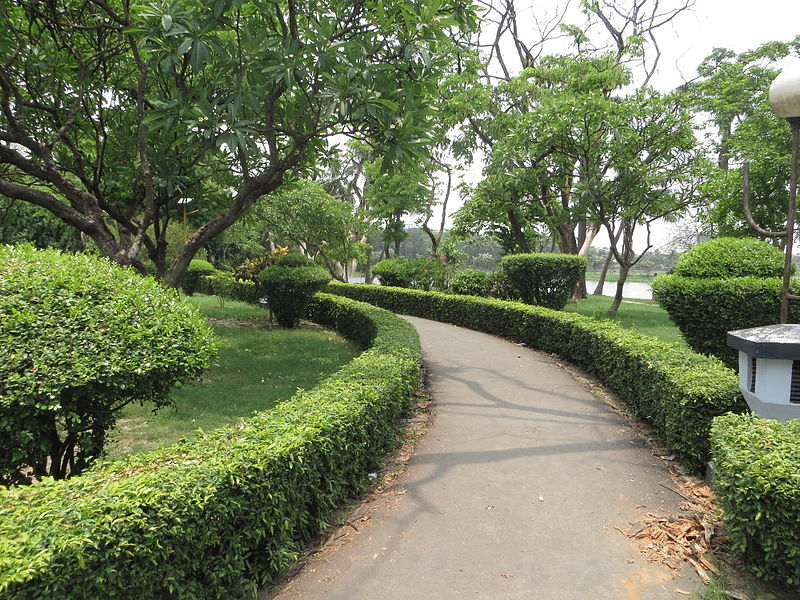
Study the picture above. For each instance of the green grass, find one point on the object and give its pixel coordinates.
(256, 367)
(643, 315)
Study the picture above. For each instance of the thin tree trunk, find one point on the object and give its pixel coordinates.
(598, 290)
(623, 275)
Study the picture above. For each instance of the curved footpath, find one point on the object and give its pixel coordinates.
(514, 493)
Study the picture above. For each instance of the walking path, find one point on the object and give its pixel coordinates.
(514, 493)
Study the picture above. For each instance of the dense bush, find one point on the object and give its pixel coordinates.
(419, 273)
(226, 285)
(676, 390)
(706, 309)
(543, 279)
(81, 338)
(294, 259)
(196, 270)
(251, 268)
(217, 517)
(731, 257)
(471, 282)
(289, 290)
(757, 481)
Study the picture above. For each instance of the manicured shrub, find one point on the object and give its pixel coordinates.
(81, 338)
(294, 259)
(731, 257)
(418, 273)
(757, 481)
(706, 309)
(289, 290)
(217, 517)
(543, 279)
(196, 270)
(471, 282)
(675, 389)
(226, 285)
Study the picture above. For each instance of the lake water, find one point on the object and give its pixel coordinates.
(633, 289)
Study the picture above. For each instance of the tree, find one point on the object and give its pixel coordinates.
(731, 89)
(303, 214)
(112, 114)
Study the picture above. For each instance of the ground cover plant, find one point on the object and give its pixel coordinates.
(257, 366)
(81, 339)
(218, 517)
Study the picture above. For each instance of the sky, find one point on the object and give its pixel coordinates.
(736, 24)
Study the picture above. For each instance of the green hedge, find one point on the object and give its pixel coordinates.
(543, 279)
(80, 338)
(757, 481)
(196, 270)
(419, 273)
(471, 282)
(731, 257)
(220, 516)
(675, 389)
(226, 285)
(289, 290)
(706, 309)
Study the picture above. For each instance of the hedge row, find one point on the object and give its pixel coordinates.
(757, 480)
(220, 516)
(543, 279)
(678, 391)
(226, 285)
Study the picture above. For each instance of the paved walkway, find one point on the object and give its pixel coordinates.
(514, 493)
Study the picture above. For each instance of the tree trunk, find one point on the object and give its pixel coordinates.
(517, 233)
(598, 290)
(623, 275)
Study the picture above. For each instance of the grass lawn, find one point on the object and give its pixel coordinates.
(644, 315)
(257, 366)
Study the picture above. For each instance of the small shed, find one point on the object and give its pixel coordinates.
(769, 369)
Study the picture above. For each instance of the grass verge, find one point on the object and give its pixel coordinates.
(257, 366)
(643, 315)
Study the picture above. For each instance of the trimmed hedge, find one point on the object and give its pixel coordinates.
(543, 279)
(420, 273)
(471, 282)
(227, 285)
(220, 516)
(289, 290)
(675, 389)
(757, 481)
(196, 270)
(80, 339)
(731, 257)
(294, 259)
(706, 309)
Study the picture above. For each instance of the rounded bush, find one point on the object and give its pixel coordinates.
(289, 290)
(731, 257)
(294, 259)
(543, 279)
(706, 309)
(196, 270)
(418, 273)
(81, 338)
(471, 282)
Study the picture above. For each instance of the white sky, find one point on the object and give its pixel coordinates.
(736, 24)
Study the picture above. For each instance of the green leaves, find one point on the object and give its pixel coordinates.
(82, 338)
(217, 518)
(757, 481)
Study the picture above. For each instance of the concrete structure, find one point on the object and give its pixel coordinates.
(769, 369)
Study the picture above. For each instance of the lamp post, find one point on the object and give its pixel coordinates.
(784, 97)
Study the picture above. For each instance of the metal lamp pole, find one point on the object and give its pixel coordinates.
(784, 97)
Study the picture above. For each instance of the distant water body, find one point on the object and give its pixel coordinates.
(632, 289)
